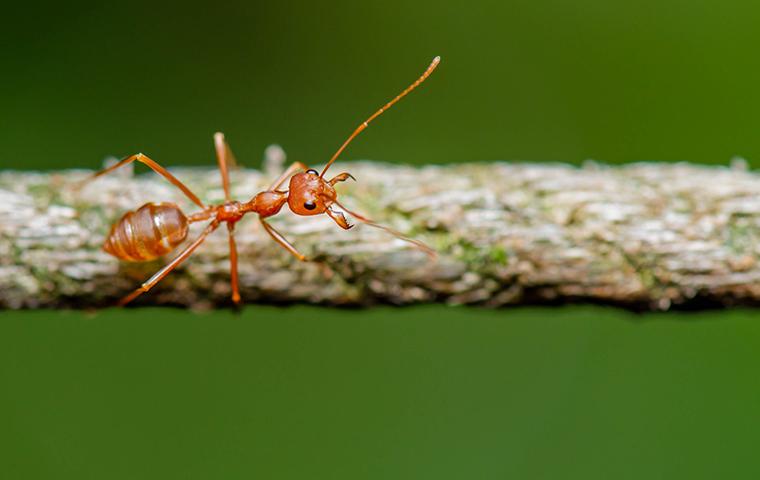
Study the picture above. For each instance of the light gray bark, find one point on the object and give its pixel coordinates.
(642, 235)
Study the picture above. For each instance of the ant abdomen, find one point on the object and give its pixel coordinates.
(147, 233)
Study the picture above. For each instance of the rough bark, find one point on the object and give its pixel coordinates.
(641, 235)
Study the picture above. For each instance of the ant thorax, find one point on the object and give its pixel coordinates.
(266, 203)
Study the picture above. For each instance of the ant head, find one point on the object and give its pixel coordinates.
(310, 194)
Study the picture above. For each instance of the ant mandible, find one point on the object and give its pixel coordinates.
(156, 229)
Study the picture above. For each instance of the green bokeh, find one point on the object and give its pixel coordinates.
(528, 79)
(424, 392)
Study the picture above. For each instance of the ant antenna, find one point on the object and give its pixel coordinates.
(426, 249)
(388, 105)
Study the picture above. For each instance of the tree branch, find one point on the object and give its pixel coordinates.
(641, 235)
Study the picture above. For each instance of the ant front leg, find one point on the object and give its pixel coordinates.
(277, 236)
(327, 272)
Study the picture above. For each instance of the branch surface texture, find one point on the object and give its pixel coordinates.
(643, 235)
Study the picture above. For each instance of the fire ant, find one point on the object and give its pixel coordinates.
(156, 229)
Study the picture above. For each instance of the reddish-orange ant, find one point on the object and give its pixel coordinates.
(156, 229)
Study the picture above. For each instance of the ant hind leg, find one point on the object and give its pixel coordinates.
(153, 165)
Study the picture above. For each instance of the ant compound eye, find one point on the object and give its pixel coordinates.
(309, 205)
(311, 171)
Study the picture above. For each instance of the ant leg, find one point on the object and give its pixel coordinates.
(224, 156)
(327, 272)
(293, 168)
(153, 166)
(422, 246)
(277, 236)
(152, 281)
(233, 264)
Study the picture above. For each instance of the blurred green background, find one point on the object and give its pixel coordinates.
(422, 392)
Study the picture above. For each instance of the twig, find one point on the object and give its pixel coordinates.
(642, 235)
